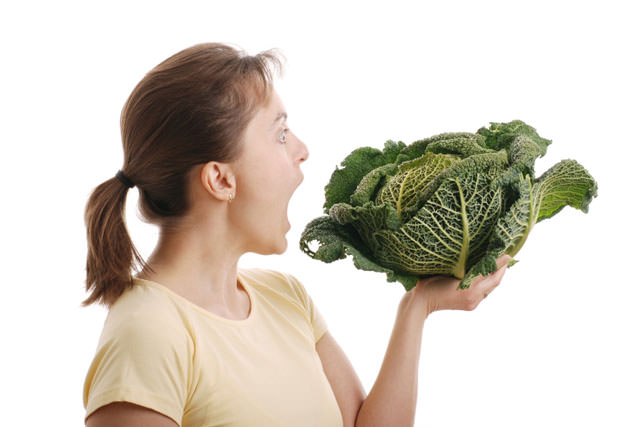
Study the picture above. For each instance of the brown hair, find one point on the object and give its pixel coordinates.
(190, 109)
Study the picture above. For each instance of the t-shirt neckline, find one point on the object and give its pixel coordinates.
(202, 310)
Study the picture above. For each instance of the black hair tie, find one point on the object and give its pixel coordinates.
(122, 177)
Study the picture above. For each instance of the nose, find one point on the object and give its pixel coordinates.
(303, 152)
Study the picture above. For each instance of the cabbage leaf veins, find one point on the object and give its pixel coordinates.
(446, 205)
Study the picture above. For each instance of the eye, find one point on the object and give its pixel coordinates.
(283, 135)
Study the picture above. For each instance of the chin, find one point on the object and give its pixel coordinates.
(276, 249)
(282, 247)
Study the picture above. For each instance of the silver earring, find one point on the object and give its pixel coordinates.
(230, 197)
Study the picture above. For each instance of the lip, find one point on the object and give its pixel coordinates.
(289, 200)
(296, 185)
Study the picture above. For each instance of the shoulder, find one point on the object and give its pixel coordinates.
(145, 315)
(266, 277)
(286, 292)
(144, 355)
(275, 281)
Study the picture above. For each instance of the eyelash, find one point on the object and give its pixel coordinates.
(283, 132)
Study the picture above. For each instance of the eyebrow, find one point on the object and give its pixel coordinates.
(280, 115)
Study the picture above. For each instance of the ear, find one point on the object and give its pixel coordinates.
(218, 180)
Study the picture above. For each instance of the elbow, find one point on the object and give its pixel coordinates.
(355, 422)
(368, 416)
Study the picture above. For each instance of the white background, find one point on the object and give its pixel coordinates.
(556, 344)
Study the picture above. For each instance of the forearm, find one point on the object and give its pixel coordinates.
(393, 398)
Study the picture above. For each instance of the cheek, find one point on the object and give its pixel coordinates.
(270, 182)
(259, 201)
(265, 186)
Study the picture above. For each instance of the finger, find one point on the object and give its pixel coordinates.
(492, 281)
(500, 271)
(502, 263)
(503, 260)
(500, 274)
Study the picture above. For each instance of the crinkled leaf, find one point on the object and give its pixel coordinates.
(463, 144)
(501, 135)
(452, 226)
(394, 217)
(567, 183)
(510, 230)
(366, 219)
(403, 190)
(523, 153)
(331, 237)
(419, 147)
(366, 190)
(355, 166)
(470, 165)
(375, 216)
(337, 241)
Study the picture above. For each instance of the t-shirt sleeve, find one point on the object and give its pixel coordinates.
(144, 362)
(318, 323)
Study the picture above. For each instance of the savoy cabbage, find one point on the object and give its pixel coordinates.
(446, 205)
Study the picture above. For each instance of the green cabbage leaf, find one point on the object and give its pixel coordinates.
(446, 205)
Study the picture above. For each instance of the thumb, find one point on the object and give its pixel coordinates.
(504, 259)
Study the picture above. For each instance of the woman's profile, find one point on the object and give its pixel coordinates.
(191, 339)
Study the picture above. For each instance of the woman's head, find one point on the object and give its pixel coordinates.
(190, 109)
(265, 176)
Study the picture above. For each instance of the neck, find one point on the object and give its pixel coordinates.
(199, 263)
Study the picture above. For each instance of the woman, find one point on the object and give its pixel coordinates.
(191, 339)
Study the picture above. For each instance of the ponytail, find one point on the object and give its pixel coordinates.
(111, 252)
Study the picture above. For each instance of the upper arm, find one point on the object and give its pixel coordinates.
(145, 362)
(126, 414)
(343, 379)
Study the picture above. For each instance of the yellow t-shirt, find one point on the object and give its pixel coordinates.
(163, 352)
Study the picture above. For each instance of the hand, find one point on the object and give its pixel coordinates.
(441, 293)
